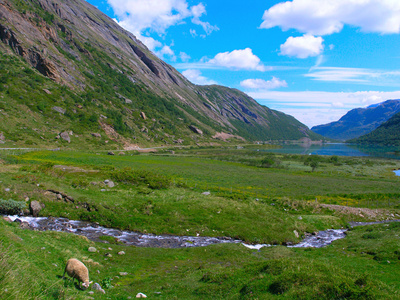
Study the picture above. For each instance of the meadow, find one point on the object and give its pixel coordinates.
(254, 196)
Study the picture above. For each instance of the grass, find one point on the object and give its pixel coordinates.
(348, 269)
(162, 194)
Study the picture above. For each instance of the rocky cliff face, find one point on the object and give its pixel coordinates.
(359, 121)
(78, 47)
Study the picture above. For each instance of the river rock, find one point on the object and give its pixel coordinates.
(7, 219)
(35, 208)
(25, 225)
(92, 249)
(65, 136)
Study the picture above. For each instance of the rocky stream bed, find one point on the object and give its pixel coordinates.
(94, 232)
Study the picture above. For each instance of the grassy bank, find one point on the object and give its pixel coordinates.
(256, 197)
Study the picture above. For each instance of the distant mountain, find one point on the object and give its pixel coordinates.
(70, 75)
(387, 134)
(359, 121)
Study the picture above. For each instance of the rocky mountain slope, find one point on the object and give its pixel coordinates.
(68, 68)
(359, 121)
(387, 134)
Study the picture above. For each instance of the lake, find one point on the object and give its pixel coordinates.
(339, 149)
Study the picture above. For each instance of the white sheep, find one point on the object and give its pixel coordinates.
(76, 269)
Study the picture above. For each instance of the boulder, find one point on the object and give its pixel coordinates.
(96, 135)
(143, 115)
(92, 249)
(128, 101)
(195, 130)
(47, 91)
(65, 136)
(35, 208)
(121, 253)
(110, 153)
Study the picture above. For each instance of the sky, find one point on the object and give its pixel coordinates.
(312, 59)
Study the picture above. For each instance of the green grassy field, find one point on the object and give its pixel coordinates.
(250, 198)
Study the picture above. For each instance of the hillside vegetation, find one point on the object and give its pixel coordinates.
(67, 67)
(387, 134)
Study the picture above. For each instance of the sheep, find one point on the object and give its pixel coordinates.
(76, 269)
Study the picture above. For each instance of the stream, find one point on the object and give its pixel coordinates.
(94, 231)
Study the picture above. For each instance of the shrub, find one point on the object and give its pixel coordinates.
(11, 207)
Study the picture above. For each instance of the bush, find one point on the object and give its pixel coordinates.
(11, 207)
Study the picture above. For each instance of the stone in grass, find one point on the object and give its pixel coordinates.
(123, 273)
(206, 193)
(121, 253)
(110, 184)
(65, 136)
(92, 249)
(97, 287)
(141, 295)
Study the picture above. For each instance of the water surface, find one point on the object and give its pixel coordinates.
(339, 149)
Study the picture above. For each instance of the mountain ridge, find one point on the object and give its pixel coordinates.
(359, 121)
(117, 77)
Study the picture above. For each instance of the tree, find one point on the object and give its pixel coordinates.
(312, 161)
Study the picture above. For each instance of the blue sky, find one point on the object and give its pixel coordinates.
(312, 59)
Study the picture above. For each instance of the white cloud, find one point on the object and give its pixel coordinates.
(239, 60)
(142, 17)
(197, 12)
(166, 51)
(355, 75)
(303, 46)
(315, 107)
(196, 77)
(322, 17)
(184, 56)
(263, 84)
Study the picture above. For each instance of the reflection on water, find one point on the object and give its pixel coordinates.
(340, 149)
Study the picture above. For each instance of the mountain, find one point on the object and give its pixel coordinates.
(359, 121)
(70, 74)
(387, 134)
